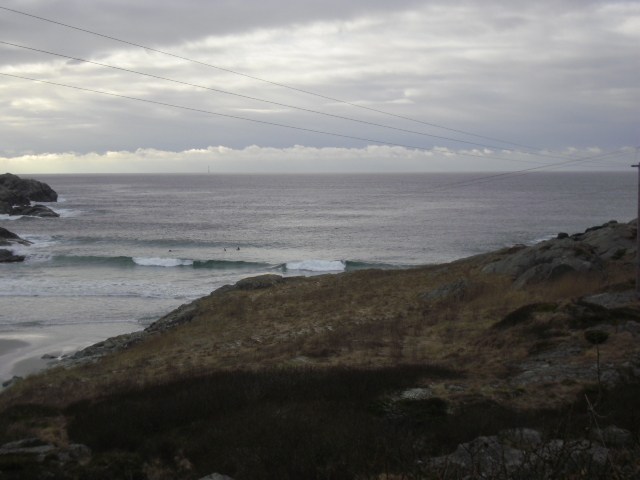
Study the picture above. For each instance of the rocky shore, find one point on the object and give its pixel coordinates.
(16, 195)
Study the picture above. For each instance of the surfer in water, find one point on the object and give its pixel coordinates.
(238, 248)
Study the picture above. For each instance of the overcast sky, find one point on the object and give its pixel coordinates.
(559, 76)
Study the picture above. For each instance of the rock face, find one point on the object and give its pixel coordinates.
(34, 211)
(16, 195)
(522, 453)
(8, 239)
(581, 252)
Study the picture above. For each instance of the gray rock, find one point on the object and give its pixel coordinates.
(612, 436)
(612, 300)
(630, 327)
(522, 438)
(28, 446)
(259, 282)
(216, 476)
(32, 190)
(77, 450)
(34, 211)
(7, 256)
(47, 356)
(417, 394)
(487, 454)
(554, 258)
(181, 315)
(603, 327)
(11, 381)
(11, 238)
(451, 290)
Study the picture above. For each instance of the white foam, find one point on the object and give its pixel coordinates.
(161, 262)
(66, 212)
(317, 266)
(4, 216)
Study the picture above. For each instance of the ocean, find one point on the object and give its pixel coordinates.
(129, 248)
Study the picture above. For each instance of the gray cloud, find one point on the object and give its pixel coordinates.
(549, 74)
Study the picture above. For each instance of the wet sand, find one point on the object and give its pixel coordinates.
(21, 350)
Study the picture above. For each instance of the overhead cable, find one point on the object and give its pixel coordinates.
(264, 80)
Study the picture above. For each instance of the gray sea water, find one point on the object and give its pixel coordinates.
(129, 248)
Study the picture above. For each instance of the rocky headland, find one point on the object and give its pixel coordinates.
(518, 363)
(16, 195)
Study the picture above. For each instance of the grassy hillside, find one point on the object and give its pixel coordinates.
(355, 375)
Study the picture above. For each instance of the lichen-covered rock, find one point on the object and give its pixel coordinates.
(612, 300)
(582, 252)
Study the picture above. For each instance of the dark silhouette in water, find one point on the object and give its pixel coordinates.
(238, 248)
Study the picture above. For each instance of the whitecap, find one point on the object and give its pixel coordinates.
(317, 266)
(161, 262)
(66, 212)
(4, 216)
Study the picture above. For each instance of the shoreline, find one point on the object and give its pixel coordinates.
(21, 350)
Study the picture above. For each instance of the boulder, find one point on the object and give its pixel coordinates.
(7, 256)
(8, 238)
(631, 327)
(11, 381)
(612, 300)
(582, 252)
(29, 189)
(216, 476)
(34, 211)
(612, 436)
(259, 282)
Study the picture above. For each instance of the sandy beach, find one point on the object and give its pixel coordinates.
(21, 351)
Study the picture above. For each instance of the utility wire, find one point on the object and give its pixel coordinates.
(266, 101)
(484, 179)
(435, 150)
(264, 80)
(572, 163)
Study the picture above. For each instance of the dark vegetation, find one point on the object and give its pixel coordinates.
(339, 423)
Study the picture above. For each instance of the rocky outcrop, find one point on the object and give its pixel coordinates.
(8, 239)
(34, 211)
(523, 453)
(39, 450)
(7, 256)
(16, 195)
(28, 189)
(581, 252)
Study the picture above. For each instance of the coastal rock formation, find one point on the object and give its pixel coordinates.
(34, 211)
(16, 195)
(8, 239)
(581, 252)
(522, 453)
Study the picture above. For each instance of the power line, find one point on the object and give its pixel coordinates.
(435, 150)
(261, 100)
(485, 179)
(263, 80)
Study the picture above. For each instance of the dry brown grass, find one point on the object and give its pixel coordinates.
(371, 317)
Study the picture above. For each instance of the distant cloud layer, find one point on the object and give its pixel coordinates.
(551, 74)
(305, 159)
